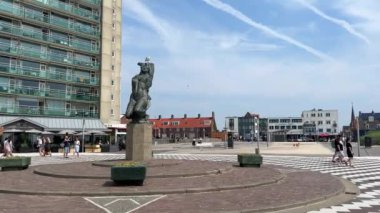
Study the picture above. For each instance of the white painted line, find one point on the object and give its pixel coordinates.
(135, 202)
(113, 202)
(146, 204)
(108, 211)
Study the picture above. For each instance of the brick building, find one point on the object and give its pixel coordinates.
(185, 127)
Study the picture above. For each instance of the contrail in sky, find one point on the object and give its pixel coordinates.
(347, 26)
(239, 15)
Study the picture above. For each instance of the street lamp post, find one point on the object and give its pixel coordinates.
(358, 134)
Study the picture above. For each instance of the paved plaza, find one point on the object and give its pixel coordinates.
(299, 165)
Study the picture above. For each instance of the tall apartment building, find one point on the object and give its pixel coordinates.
(60, 59)
(325, 122)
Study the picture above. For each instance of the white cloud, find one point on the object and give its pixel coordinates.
(344, 24)
(239, 15)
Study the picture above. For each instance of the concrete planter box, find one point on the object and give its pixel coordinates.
(128, 175)
(14, 163)
(250, 160)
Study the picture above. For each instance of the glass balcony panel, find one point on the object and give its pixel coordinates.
(96, 2)
(34, 14)
(10, 8)
(5, 46)
(60, 5)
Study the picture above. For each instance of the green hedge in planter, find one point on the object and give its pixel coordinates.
(128, 173)
(250, 160)
(14, 163)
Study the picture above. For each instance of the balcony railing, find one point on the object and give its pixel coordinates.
(52, 20)
(95, 2)
(37, 34)
(69, 9)
(46, 111)
(20, 50)
(50, 75)
(44, 92)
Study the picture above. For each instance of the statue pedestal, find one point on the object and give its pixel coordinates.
(139, 142)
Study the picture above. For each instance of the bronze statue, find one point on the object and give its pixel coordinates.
(139, 101)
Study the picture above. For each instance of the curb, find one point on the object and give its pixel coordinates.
(277, 179)
(212, 172)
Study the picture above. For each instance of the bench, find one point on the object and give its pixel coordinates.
(203, 144)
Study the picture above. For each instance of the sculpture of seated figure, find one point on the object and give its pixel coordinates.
(139, 101)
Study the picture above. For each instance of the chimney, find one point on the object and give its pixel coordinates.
(199, 115)
(159, 117)
(213, 114)
(172, 116)
(184, 116)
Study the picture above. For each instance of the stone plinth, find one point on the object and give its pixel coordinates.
(139, 142)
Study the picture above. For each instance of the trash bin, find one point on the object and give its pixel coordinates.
(230, 141)
(367, 142)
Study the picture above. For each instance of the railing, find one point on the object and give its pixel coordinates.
(51, 75)
(96, 2)
(68, 8)
(52, 20)
(46, 111)
(38, 34)
(44, 92)
(20, 50)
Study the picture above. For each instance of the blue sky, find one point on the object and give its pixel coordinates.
(271, 57)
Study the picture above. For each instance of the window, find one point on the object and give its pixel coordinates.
(371, 118)
(320, 130)
(113, 53)
(300, 127)
(175, 123)
(327, 114)
(165, 123)
(282, 127)
(112, 97)
(113, 39)
(284, 120)
(113, 67)
(320, 115)
(312, 114)
(328, 130)
(271, 127)
(273, 120)
(320, 122)
(111, 111)
(113, 25)
(294, 127)
(112, 82)
(328, 122)
(276, 127)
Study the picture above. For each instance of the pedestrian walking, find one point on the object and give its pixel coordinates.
(47, 143)
(338, 150)
(350, 153)
(66, 146)
(76, 146)
(40, 146)
(7, 144)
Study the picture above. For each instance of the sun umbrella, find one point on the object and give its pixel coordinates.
(83, 133)
(96, 132)
(68, 131)
(33, 131)
(47, 133)
(13, 130)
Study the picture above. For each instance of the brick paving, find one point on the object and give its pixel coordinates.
(296, 186)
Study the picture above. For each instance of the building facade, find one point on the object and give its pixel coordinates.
(231, 125)
(324, 122)
(248, 126)
(184, 128)
(284, 128)
(368, 122)
(61, 59)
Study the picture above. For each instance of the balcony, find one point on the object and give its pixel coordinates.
(49, 93)
(55, 4)
(51, 20)
(95, 2)
(37, 73)
(20, 50)
(12, 109)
